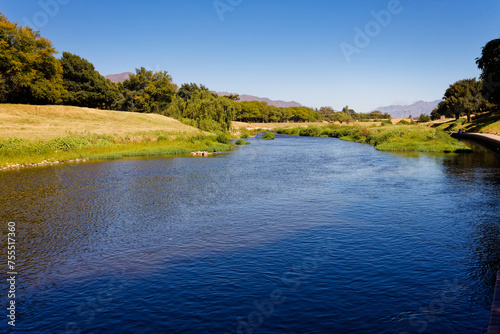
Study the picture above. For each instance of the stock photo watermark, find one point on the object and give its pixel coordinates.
(49, 9)
(88, 311)
(223, 6)
(290, 281)
(419, 320)
(11, 274)
(364, 36)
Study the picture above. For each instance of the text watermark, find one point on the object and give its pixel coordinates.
(223, 6)
(49, 9)
(11, 273)
(372, 29)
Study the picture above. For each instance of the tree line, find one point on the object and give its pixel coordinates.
(471, 96)
(31, 74)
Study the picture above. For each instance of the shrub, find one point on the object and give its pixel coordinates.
(268, 136)
(311, 131)
(241, 142)
(403, 122)
(222, 138)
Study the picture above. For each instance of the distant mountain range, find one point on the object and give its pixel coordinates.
(276, 103)
(121, 77)
(416, 109)
(396, 111)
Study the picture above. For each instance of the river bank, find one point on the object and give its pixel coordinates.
(488, 140)
(392, 138)
(34, 136)
(18, 153)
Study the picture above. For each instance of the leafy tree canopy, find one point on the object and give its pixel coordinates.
(148, 92)
(489, 63)
(29, 72)
(210, 111)
(463, 98)
(188, 89)
(84, 85)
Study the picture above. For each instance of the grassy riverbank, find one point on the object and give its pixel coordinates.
(45, 134)
(48, 122)
(16, 151)
(397, 138)
(488, 123)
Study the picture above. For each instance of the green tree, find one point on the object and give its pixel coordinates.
(463, 98)
(443, 108)
(29, 72)
(424, 118)
(85, 87)
(188, 89)
(209, 111)
(489, 63)
(342, 117)
(348, 111)
(148, 92)
(326, 113)
(232, 97)
(250, 111)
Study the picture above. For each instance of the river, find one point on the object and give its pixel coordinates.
(295, 235)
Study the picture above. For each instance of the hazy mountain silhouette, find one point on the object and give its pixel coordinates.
(121, 77)
(276, 103)
(416, 109)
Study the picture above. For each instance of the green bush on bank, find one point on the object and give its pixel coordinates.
(387, 138)
(223, 138)
(268, 136)
(241, 142)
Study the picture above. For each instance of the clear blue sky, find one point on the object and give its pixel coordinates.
(288, 50)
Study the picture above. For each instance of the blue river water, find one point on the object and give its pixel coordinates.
(295, 235)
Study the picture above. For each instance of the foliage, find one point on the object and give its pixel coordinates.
(326, 113)
(348, 115)
(397, 138)
(187, 90)
(489, 63)
(462, 98)
(268, 136)
(29, 72)
(240, 142)
(85, 87)
(222, 138)
(424, 118)
(232, 97)
(261, 112)
(147, 92)
(403, 122)
(210, 112)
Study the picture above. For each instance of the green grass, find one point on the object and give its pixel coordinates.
(396, 138)
(451, 126)
(92, 146)
(489, 123)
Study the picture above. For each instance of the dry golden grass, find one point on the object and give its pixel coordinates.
(270, 126)
(47, 122)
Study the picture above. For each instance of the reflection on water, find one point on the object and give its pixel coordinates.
(294, 235)
(478, 174)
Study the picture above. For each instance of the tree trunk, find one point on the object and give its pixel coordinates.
(468, 117)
